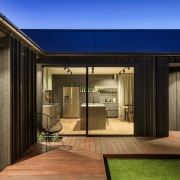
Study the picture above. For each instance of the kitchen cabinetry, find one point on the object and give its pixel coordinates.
(57, 111)
(52, 110)
(107, 90)
(107, 93)
(96, 120)
(111, 109)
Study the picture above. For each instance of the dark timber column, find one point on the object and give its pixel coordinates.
(23, 94)
(162, 96)
(151, 97)
(143, 94)
(154, 78)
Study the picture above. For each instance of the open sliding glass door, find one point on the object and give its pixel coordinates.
(68, 91)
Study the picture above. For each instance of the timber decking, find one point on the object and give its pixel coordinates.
(82, 158)
(57, 163)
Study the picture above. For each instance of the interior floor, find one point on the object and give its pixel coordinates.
(113, 126)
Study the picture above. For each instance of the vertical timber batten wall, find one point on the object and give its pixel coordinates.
(5, 102)
(23, 98)
(174, 96)
(151, 97)
(143, 94)
(162, 97)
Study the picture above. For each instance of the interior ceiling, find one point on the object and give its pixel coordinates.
(97, 70)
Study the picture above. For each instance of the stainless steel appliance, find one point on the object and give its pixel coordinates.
(70, 102)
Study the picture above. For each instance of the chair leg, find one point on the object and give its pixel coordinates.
(49, 138)
(60, 138)
(46, 142)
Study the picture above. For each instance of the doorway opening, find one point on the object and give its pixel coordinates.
(92, 100)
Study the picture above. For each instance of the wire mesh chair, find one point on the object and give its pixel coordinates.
(48, 126)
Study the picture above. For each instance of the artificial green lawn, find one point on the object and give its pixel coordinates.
(142, 169)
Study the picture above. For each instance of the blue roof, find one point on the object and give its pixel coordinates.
(106, 41)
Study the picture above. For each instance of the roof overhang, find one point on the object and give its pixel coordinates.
(112, 54)
(11, 29)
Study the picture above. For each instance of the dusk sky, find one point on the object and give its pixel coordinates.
(92, 14)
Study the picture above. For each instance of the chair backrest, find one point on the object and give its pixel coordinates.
(46, 123)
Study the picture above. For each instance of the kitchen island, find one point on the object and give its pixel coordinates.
(96, 116)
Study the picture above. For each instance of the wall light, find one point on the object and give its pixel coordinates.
(123, 70)
(92, 70)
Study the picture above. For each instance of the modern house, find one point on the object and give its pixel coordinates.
(37, 66)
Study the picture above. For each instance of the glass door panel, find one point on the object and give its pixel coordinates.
(110, 89)
(67, 97)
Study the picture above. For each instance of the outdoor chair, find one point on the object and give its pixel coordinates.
(48, 126)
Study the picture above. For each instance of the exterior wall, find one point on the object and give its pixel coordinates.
(151, 97)
(143, 97)
(174, 96)
(5, 103)
(162, 96)
(18, 99)
(23, 98)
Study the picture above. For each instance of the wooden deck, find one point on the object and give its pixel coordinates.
(82, 157)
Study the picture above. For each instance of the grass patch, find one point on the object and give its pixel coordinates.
(143, 169)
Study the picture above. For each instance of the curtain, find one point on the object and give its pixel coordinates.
(125, 92)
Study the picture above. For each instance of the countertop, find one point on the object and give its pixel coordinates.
(93, 105)
(50, 104)
(111, 102)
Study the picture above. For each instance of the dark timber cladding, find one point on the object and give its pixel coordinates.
(23, 98)
(174, 96)
(162, 97)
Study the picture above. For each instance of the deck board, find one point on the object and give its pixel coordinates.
(63, 164)
(82, 157)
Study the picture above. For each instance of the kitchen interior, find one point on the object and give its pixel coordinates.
(109, 97)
